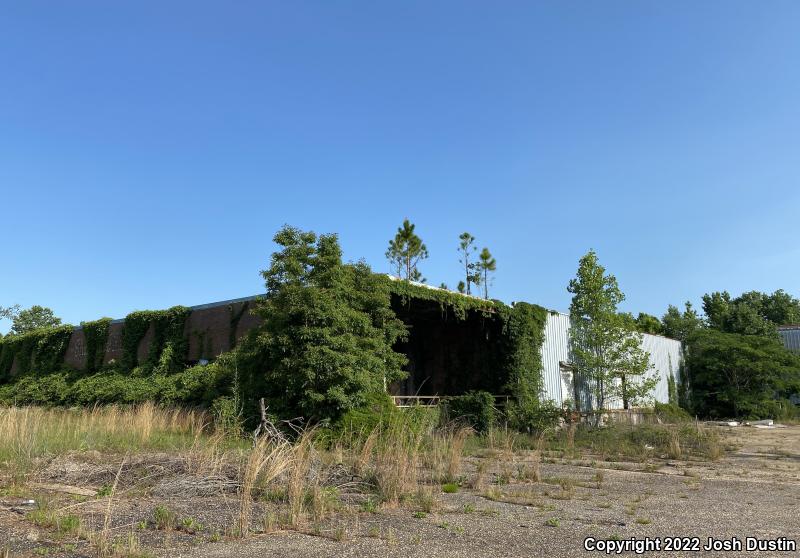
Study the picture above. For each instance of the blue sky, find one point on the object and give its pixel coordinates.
(150, 150)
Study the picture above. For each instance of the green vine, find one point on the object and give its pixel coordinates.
(96, 334)
(524, 337)
(41, 351)
(459, 304)
(234, 322)
(168, 331)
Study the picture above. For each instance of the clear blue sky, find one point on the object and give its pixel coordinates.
(150, 150)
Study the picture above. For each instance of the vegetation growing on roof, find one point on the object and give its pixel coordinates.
(458, 303)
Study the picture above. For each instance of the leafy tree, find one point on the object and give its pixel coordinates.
(606, 348)
(735, 375)
(8, 313)
(682, 326)
(486, 264)
(461, 288)
(35, 317)
(325, 345)
(646, 323)
(679, 325)
(752, 313)
(781, 308)
(467, 247)
(405, 251)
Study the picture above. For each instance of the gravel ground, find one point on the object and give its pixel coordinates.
(753, 492)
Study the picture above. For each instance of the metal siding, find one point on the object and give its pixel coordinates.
(665, 356)
(791, 338)
(555, 349)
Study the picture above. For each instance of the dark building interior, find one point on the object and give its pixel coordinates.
(448, 355)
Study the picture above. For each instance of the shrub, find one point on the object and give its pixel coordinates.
(476, 408)
(534, 416)
(671, 412)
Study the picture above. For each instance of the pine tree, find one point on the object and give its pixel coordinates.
(486, 264)
(471, 273)
(405, 251)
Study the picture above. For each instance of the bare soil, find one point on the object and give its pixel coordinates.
(752, 491)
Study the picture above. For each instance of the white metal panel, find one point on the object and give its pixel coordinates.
(665, 356)
(791, 338)
(555, 349)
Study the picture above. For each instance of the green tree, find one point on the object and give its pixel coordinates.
(679, 325)
(466, 246)
(8, 313)
(486, 264)
(461, 287)
(35, 317)
(646, 323)
(405, 251)
(751, 313)
(606, 348)
(326, 343)
(747, 376)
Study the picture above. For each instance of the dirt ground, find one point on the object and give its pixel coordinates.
(750, 492)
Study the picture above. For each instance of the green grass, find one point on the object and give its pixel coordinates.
(450, 488)
(164, 518)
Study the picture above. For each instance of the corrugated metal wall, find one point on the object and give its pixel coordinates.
(791, 338)
(555, 349)
(665, 356)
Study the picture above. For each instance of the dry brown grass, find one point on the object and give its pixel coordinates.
(28, 433)
(300, 483)
(266, 461)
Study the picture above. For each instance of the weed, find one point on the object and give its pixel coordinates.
(599, 477)
(164, 518)
(190, 525)
(553, 522)
(369, 505)
(419, 515)
(426, 499)
(450, 488)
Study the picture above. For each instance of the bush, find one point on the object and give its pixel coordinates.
(378, 410)
(475, 408)
(197, 385)
(535, 416)
(671, 412)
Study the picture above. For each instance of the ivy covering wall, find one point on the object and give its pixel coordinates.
(168, 333)
(96, 336)
(512, 338)
(39, 351)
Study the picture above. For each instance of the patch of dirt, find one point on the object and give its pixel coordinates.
(753, 491)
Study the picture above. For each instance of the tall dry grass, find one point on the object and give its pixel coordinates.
(266, 461)
(28, 433)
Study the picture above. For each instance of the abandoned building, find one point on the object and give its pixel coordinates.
(448, 353)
